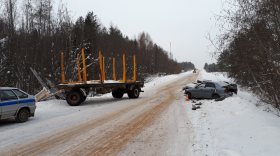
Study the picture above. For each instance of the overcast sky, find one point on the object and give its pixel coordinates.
(184, 23)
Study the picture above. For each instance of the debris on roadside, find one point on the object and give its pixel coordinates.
(220, 98)
(49, 89)
(193, 107)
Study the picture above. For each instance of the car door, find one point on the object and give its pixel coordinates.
(24, 101)
(198, 91)
(0, 106)
(9, 103)
(209, 90)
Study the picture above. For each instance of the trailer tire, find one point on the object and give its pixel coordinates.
(117, 94)
(74, 98)
(134, 93)
(83, 99)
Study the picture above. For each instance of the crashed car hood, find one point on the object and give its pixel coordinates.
(187, 87)
(190, 86)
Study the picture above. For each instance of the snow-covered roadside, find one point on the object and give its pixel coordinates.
(234, 127)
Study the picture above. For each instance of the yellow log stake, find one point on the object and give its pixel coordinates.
(114, 69)
(103, 69)
(101, 65)
(84, 66)
(62, 68)
(134, 68)
(124, 68)
(79, 68)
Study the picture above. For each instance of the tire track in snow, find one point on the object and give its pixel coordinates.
(109, 144)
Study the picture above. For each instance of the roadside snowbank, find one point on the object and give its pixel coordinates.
(235, 126)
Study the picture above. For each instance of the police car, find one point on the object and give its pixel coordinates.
(15, 103)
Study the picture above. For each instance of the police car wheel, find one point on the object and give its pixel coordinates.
(22, 115)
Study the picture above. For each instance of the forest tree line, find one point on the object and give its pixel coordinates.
(212, 67)
(250, 49)
(186, 66)
(33, 35)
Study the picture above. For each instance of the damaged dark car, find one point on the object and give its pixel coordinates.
(210, 90)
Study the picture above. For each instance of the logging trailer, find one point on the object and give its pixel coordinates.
(77, 92)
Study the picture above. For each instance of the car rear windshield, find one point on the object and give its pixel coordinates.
(222, 84)
(211, 85)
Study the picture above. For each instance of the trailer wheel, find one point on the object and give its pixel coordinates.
(83, 99)
(74, 98)
(118, 93)
(134, 93)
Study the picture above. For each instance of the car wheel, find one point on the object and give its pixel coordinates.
(22, 115)
(74, 98)
(117, 94)
(215, 96)
(134, 93)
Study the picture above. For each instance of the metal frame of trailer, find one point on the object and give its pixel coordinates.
(77, 92)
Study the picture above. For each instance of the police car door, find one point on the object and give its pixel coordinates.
(0, 105)
(9, 103)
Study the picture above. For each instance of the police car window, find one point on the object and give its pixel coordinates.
(20, 94)
(7, 95)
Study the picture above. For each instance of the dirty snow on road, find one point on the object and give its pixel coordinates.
(105, 126)
(235, 126)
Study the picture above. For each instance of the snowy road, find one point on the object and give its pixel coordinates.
(154, 124)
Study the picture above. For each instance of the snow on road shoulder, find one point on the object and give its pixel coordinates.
(234, 127)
